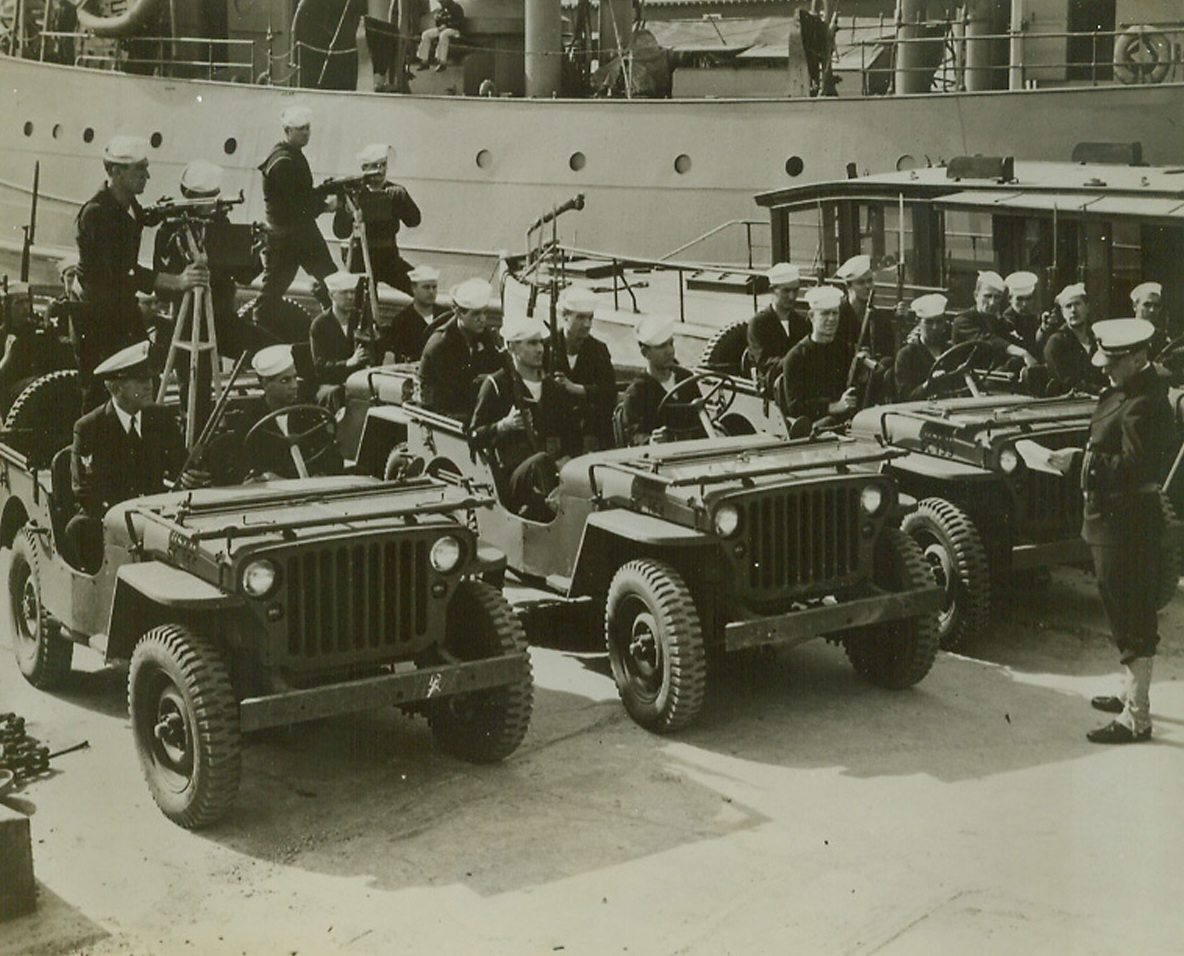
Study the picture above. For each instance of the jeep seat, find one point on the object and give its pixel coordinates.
(61, 503)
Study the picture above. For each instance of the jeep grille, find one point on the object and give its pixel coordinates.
(1052, 505)
(803, 538)
(353, 602)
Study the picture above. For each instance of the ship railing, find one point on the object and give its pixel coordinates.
(724, 230)
(1136, 53)
(115, 53)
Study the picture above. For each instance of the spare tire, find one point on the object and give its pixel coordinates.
(278, 322)
(41, 420)
(726, 349)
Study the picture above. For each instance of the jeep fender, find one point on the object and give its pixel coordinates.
(611, 538)
(150, 593)
(14, 518)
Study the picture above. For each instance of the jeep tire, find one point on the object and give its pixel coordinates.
(896, 654)
(655, 645)
(42, 654)
(483, 726)
(186, 725)
(953, 548)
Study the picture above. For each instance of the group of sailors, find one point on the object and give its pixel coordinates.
(846, 353)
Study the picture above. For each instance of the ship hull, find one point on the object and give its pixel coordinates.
(656, 173)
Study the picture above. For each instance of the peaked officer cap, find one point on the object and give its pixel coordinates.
(1119, 337)
(131, 362)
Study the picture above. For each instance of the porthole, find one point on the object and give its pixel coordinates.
(88, 135)
(794, 165)
(28, 129)
(156, 139)
(682, 163)
(230, 146)
(57, 130)
(577, 161)
(905, 163)
(484, 159)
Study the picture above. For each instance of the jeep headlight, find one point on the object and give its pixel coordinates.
(1009, 460)
(446, 554)
(259, 577)
(871, 499)
(726, 521)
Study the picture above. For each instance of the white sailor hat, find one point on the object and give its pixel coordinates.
(1022, 283)
(824, 297)
(341, 281)
(854, 268)
(1071, 293)
(990, 280)
(126, 150)
(655, 329)
(273, 360)
(69, 264)
(424, 274)
(522, 328)
(930, 306)
(1119, 337)
(472, 294)
(131, 362)
(577, 299)
(783, 273)
(202, 177)
(1146, 290)
(374, 153)
(293, 116)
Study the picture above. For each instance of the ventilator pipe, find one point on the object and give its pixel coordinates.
(128, 24)
(985, 56)
(543, 46)
(911, 75)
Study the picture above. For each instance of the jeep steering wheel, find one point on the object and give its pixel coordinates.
(306, 447)
(961, 359)
(723, 391)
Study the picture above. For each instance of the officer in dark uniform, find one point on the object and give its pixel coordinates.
(460, 354)
(581, 363)
(109, 273)
(292, 207)
(815, 373)
(384, 207)
(1130, 449)
(639, 415)
(778, 327)
(526, 423)
(123, 449)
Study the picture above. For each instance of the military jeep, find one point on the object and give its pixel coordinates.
(262, 605)
(714, 545)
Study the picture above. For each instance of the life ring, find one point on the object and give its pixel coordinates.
(1142, 55)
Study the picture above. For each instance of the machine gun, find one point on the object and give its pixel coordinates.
(340, 185)
(190, 209)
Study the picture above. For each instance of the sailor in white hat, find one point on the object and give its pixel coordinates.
(658, 405)
(868, 328)
(407, 333)
(1068, 350)
(581, 364)
(779, 326)
(338, 343)
(815, 388)
(125, 448)
(293, 241)
(109, 274)
(1147, 303)
(460, 353)
(1130, 450)
(985, 322)
(377, 211)
(859, 281)
(1022, 315)
(915, 360)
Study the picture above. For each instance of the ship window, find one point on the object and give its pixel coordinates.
(230, 146)
(577, 162)
(28, 129)
(484, 159)
(794, 165)
(156, 139)
(970, 248)
(88, 135)
(682, 163)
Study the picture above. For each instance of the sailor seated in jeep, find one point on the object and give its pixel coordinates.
(815, 387)
(460, 353)
(526, 423)
(125, 448)
(663, 403)
(280, 438)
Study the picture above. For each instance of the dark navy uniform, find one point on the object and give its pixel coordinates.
(1069, 363)
(813, 375)
(452, 368)
(383, 210)
(292, 207)
(639, 410)
(592, 367)
(407, 334)
(769, 339)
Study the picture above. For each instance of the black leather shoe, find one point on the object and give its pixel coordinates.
(1116, 733)
(1108, 705)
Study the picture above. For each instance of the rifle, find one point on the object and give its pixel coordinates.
(202, 444)
(31, 228)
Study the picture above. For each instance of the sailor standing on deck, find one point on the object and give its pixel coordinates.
(109, 273)
(778, 327)
(383, 207)
(1131, 441)
(292, 206)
